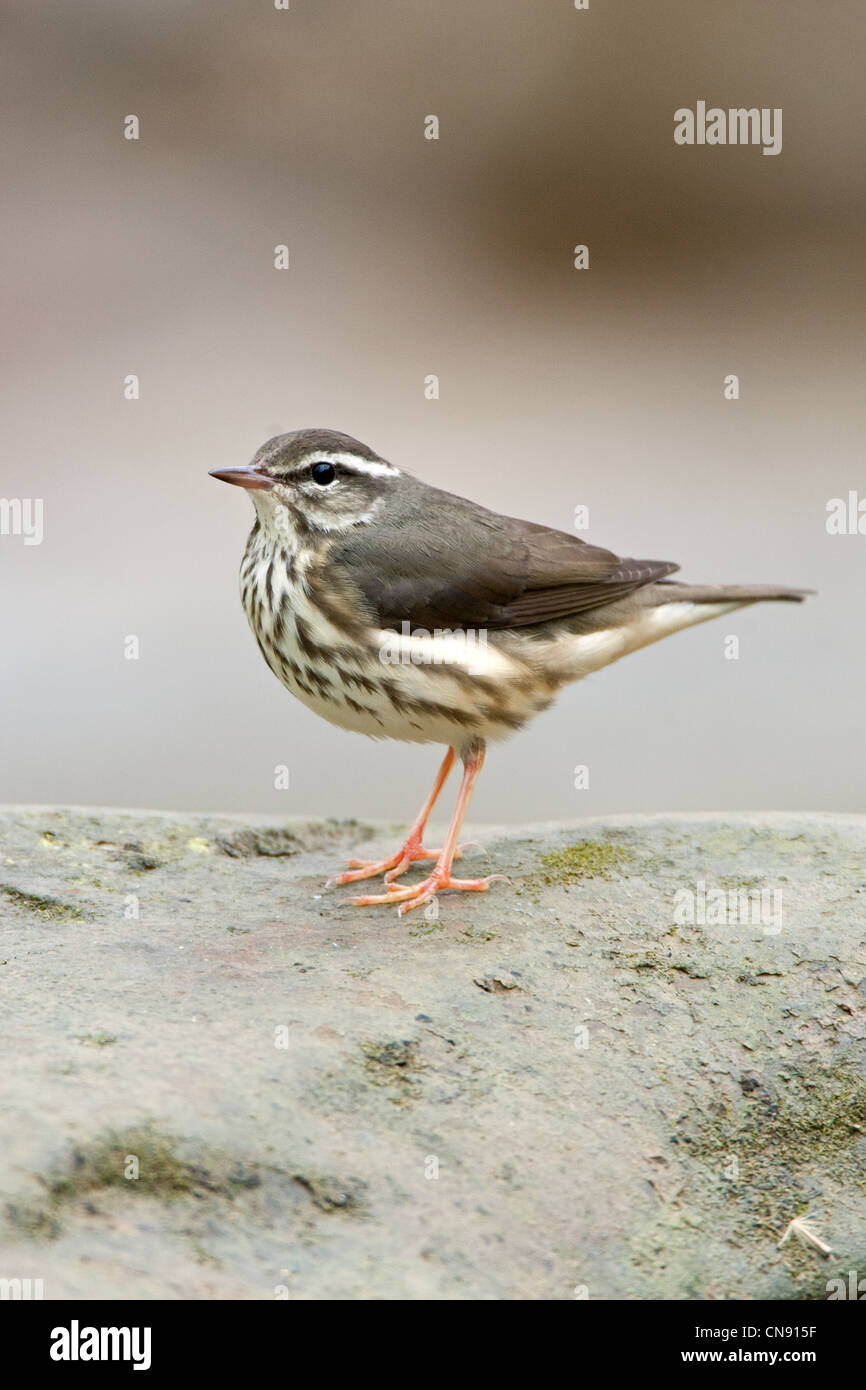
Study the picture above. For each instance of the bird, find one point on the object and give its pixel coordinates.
(400, 611)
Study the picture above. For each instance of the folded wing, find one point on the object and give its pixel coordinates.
(441, 561)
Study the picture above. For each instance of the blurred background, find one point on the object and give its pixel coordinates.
(411, 257)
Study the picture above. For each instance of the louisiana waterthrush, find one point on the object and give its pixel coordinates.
(400, 611)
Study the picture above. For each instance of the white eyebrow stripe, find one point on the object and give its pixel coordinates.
(374, 468)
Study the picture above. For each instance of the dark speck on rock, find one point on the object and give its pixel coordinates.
(247, 844)
(142, 863)
(391, 1054)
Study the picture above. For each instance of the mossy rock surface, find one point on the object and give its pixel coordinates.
(627, 1070)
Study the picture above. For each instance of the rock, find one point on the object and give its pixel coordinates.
(496, 980)
(628, 1070)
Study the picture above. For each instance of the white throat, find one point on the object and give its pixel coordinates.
(275, 521)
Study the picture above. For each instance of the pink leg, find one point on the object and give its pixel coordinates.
(412, 850)
(440, 877)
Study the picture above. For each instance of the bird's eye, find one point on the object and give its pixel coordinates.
(323, 473)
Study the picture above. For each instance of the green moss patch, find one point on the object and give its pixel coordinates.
(140, 1161)
(585, 859)
(49, 909)
(811, 1120)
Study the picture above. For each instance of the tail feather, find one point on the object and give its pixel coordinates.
(672, 591)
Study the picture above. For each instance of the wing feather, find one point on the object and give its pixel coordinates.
(437, 560)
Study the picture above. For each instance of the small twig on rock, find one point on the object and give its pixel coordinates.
(804, 1228)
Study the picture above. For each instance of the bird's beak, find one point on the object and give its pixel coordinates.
(247, 476)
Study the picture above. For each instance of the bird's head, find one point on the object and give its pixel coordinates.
(314, 481)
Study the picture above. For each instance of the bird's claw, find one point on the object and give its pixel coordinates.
(420, 893)
(391, 868)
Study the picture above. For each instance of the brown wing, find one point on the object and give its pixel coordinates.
(436, 560)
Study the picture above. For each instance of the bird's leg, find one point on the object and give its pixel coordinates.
(409, 852)
(419, 893)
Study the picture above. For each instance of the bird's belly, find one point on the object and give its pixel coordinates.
(414, 689)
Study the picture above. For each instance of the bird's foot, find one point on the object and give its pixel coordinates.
(417, 894)
(410, 853)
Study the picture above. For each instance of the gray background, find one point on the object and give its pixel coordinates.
(411, 257)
